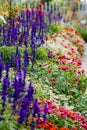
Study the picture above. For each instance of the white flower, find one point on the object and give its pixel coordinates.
(3, 19)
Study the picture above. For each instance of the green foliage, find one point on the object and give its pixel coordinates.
(8, 50)
(80, 104)
(64, 79)
(0, 21)
(42, 53)
(63, 121)
(53, 28)
(48, 1)
(83, 33)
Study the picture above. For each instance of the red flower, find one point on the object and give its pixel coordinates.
(43, 2)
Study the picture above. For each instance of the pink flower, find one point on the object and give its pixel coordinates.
(30, 57)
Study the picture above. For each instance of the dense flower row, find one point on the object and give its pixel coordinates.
(62, 112)
(66, 54)
(73, 36)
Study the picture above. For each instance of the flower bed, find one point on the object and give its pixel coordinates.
(54, 66)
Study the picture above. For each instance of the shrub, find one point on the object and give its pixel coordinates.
(42, 53)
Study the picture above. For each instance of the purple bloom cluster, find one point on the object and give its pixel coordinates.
(25, 103)
(35, 108)
(45, 113)
(28, 29)
(18, 30)
(18, 88)
(26, 59)
(22, 98)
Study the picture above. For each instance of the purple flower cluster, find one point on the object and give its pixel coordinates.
(22, 98)
(19, 63)
(28, 99)
(18, 30)
(18, 89)
(28, 29)
(26, 59)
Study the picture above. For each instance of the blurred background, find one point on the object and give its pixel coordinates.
(73, 12)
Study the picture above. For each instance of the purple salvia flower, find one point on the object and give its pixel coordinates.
(45, 113)
(27, 15)
(27, 100)
(20, 84)
(24, 76)
(50, 18)
(23, 112)
(19, 89)
(5, 87)
(1, 68)
(35, 108)
(7, 70)
(4, 35)
(11, 59)
(16, 93)
(59, 16)
(32, 125)
(17, 52)
(18, 61)
(30, 92)
(8, 36)
(1, 56)
(26, 59)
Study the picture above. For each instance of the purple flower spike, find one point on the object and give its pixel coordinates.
(7, 70)
(35, 108)
(45, 113)
(1, 68)
(26, 102)
(26, 59)
(5, 87)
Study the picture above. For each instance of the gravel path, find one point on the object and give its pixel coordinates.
(84, 60)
